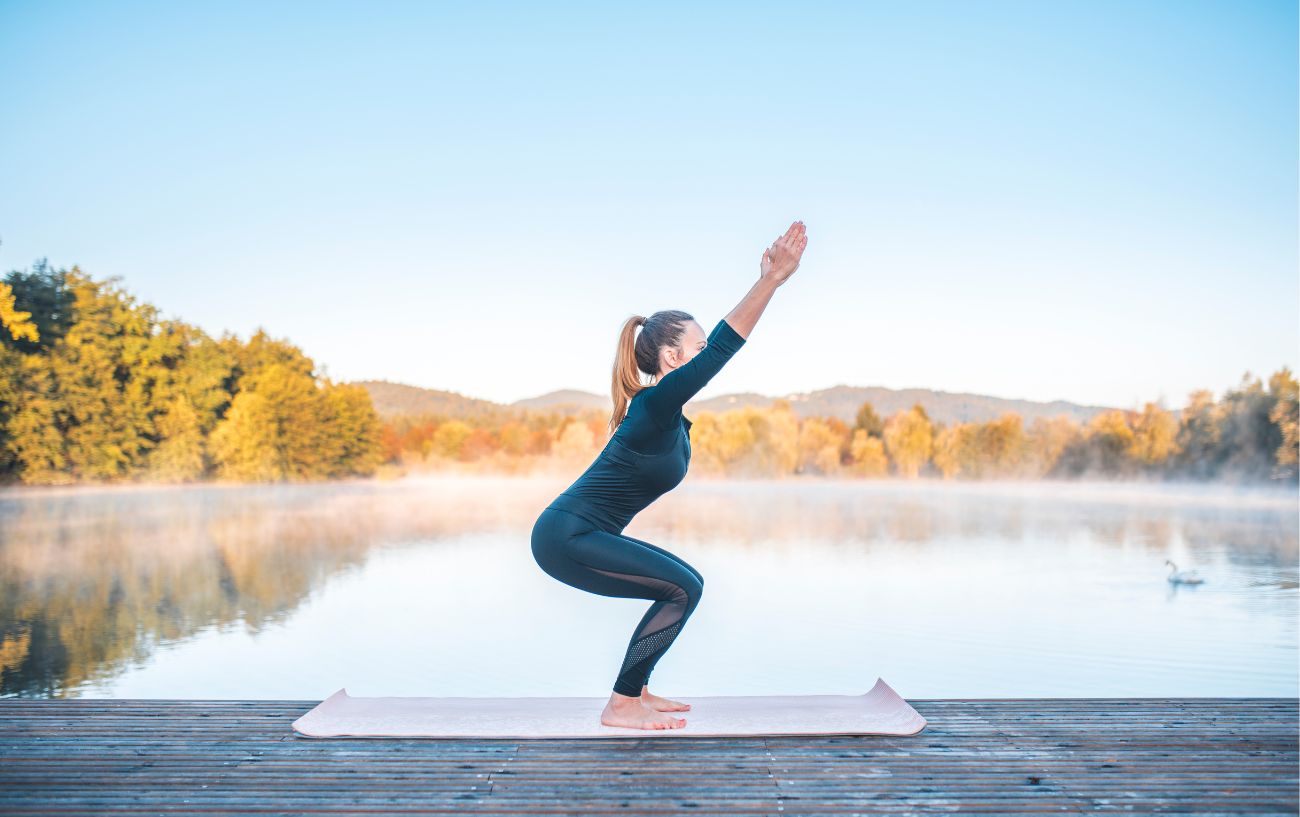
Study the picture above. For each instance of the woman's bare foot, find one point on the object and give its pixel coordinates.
(623, 710)
(662, 704)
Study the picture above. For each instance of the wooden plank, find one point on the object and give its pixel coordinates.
(990, 755)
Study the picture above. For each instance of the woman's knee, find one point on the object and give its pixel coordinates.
(683, 590)
(694, 590)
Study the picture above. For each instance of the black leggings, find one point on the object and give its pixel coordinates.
(582, 555)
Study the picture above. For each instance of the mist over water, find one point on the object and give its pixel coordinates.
(428, 587)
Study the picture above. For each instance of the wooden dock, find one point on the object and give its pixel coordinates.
(1007, 756)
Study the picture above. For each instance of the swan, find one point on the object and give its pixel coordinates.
(1182, 576)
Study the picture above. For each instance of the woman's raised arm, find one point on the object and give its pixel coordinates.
(678, 386)
(778, 263)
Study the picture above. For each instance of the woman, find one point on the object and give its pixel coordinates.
(579, 537)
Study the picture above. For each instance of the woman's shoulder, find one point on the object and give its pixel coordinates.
(640, 396)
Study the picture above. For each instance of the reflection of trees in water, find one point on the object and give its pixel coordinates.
(92, 579)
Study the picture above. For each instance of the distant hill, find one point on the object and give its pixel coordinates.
(565, 399)
(942, 406)
(395, 399)
(398, 400)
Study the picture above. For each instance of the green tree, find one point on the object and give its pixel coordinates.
(45, 296)
(1199, 439)
(869, 421)
(1250, 437)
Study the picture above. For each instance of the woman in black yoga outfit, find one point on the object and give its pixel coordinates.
(579, 537)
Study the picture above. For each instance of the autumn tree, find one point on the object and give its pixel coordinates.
(1048, 440)
(1155, 434)
(867, 454)
(953, 449)
(820, 447)
(1285, 414)
(274, 430)
(908, 439)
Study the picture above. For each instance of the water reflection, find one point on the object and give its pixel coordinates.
(427, 587)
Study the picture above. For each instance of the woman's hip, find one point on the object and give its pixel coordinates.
(552, 533)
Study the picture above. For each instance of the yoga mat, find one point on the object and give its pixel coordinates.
(878, 712)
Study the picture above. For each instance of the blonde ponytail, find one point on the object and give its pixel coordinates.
(627, 376)
(638, 353)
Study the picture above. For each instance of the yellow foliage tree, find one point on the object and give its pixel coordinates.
(448, 440)
(1048, 440)
(725, 442)
(1002, 445)
(779, 433)
(1154, 436)
(178, 457)
(354, 431)
(576, 442)
(819, 447)
(868, 453)
(1110, 438)
(909, 440)
(17, 323)
(278, 432)
(951, 445)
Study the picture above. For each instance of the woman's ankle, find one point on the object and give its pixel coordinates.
(618, 699)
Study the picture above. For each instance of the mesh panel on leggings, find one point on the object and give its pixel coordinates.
(672, 597)
(671, 605)
(647, 646)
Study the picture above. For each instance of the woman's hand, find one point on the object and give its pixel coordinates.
(782, 258)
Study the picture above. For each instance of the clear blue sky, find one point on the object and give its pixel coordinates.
(1091, 201)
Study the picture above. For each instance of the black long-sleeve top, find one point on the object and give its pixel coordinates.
(650, 451)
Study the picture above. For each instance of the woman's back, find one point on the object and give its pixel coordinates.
(650, 451)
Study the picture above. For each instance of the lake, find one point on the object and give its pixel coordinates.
(428, 587)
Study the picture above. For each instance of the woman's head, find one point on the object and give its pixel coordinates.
(667, 339)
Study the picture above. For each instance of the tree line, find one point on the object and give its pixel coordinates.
(1249, 435)
(95, 387)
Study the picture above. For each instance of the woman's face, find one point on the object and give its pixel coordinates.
(693, 340)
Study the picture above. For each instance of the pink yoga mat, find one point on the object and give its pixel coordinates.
(878, 712)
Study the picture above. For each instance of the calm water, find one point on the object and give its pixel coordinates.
(429, 588)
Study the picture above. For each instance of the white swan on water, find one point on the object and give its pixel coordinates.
(1182, 576)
